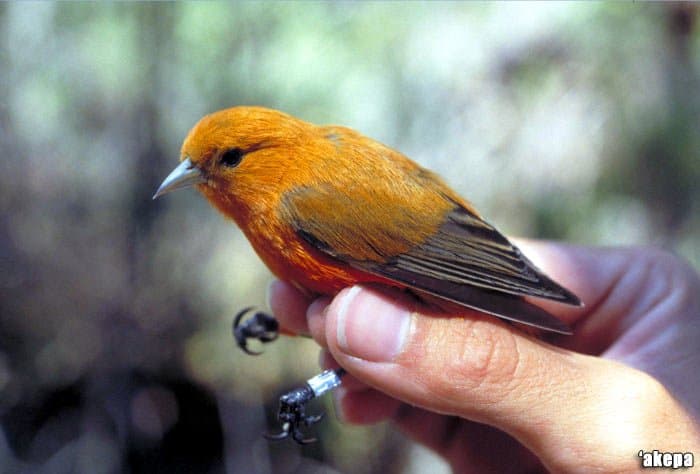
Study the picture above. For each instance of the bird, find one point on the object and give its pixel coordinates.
(326, 207)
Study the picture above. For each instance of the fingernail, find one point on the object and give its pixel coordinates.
(370, 326)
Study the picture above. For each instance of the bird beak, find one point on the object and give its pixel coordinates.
(186, 174)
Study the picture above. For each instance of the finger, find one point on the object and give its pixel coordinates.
(471, 447)
(619, 286)
(355, 402)
(288, 304)
(316, 319)
(350, 382)
(363, 407)
(478, 368)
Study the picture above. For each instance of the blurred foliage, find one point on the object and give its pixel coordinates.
(574, 121)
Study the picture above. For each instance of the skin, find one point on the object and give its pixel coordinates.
(488, 398)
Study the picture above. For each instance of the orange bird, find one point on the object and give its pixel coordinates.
(326, 207)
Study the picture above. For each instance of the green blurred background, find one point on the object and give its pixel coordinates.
(575, 121)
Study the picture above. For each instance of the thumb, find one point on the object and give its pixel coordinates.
(478, 368)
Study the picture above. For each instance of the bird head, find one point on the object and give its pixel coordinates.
(236, 156)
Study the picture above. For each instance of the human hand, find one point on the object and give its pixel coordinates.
(490, 398)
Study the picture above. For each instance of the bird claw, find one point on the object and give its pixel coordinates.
(292, 414)
(287, 431)
(260, 326)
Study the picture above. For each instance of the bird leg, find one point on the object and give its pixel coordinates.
(292, 411)
(260, 326)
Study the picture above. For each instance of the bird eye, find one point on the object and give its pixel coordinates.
(232, 157)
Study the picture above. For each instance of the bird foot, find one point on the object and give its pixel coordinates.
(292, 411)
(292, 414)
(260, 326)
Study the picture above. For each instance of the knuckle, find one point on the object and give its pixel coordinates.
(478, 357)
(661, 260)
(670, 282)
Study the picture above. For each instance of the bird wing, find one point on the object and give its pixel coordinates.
(463, 259)
(467, 250)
